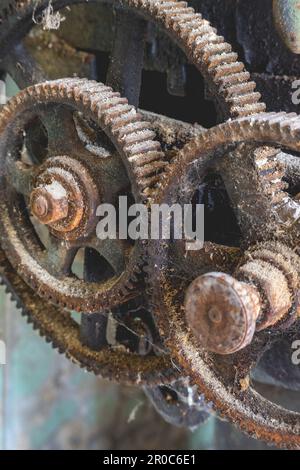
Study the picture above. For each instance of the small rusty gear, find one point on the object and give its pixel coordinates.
(64, 190)
(181, 283)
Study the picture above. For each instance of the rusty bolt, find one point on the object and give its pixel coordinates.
(224, 312)
(49, 203)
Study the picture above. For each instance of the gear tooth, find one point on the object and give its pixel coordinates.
(239, 88)
(295, 125)
(148, 183)
(246, 99)
(230, 71)
(141, 159)
(194, 27)
(112, 102)
(151, 169)
(215, 60)
(202, 43)
(172, 5)
(228, 81)
(121, 121)
(138, 136)
(216, 52)
(142, 147)
(248, 109)
(114, 112)
(133, 127)
(173, 16)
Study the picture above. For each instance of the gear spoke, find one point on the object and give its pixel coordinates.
(220, 257)
(60, 256)
(22, 67)
(114, 252)
(61, 130)
(237, 367)
(126, 63)
(21, 177)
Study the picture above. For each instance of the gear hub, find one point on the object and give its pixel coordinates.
(65, 197)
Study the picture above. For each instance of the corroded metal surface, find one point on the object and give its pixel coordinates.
(221, 312)
(143, 160)
(224, 312)
(224, 380)
(58, 328)
(253, 179)
(226, 77)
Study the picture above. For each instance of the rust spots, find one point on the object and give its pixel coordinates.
(65, 197)
(222, 312)
(49, 203)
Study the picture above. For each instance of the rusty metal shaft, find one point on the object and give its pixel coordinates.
(224, 312)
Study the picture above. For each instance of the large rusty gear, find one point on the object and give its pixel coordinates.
(227, 80)
(191, 300)
(70, 212)
(227, 83)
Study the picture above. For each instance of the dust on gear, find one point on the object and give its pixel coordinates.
(59, 328)
(48, 269)
(225, 379)
(226, 79)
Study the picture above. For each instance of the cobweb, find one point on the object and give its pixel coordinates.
(50, 20)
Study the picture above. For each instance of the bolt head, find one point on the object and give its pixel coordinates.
(40, 206)
(49, 203)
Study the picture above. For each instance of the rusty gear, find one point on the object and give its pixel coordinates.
(62, 331)
(226, 379)
(65, 197)
(227, 80)
(228, 83)
(64, 193)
